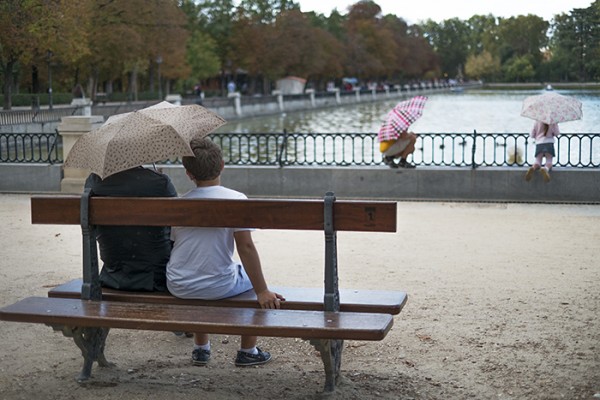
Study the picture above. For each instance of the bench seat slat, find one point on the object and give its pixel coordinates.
(219, 320)
(373, 216)
(388, 302)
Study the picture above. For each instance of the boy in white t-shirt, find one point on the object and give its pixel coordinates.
(202, 265)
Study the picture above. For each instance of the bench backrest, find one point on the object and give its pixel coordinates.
(328, 215)
(371, 216)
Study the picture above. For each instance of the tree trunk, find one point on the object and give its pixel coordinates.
(35, 81)
(8, 84)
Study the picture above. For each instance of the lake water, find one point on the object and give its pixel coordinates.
(486, 111)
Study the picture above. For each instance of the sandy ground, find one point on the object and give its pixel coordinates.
(504, 303)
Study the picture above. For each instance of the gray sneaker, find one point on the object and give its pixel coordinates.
(200, 357)
(244, 359)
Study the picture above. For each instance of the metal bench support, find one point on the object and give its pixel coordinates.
(330, 350)
(91, 341)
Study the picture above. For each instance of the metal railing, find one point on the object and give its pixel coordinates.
(434, 149)
(18, 117)
(573, 150)
(30, 148)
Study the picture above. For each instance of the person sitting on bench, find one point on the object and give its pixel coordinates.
(134, 257)
(202, 265)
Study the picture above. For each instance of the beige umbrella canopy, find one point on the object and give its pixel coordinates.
(145, 136)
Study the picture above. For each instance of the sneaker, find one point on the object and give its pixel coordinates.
(200, 357)
(389, 161)
(406, 164)
(529, 174)
(545, 174)
(244, 359)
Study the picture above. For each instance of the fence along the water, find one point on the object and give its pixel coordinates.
(348, 149)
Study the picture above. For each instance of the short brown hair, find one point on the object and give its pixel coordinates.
(206, 163)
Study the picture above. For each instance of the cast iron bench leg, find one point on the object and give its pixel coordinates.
(331, 354)
(91, 342)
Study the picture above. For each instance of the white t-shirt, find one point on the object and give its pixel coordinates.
(202, 264)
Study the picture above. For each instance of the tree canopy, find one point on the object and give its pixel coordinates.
(131, 46)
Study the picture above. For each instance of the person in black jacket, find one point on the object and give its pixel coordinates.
(134, 257)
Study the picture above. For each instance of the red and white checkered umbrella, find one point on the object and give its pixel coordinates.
(401, 117)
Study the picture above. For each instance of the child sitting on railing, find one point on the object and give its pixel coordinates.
(544, 135)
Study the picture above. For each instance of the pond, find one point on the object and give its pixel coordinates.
(446, 129)
(485, 111)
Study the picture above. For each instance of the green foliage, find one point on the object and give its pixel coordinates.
(202, 56)
(113, 46)
(483, 66)
(518, 69)
(41, 99)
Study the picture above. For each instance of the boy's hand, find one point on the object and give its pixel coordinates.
(268, 299)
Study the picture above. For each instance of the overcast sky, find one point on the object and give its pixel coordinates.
(414, 11)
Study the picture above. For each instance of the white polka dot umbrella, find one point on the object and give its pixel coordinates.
(141, 137)
(552, 108)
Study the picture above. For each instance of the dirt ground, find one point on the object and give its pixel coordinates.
(504, 303)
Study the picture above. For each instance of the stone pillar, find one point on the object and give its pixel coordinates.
(311, 92)
(374, 92)
(84, 106)
(338, 99)
(357, 93)
(174, 99)
(237, 103)
(279, 99)
(71, 129)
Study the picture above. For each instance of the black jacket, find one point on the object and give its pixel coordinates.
(135, 257)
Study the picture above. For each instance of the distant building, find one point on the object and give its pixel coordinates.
(291, 85)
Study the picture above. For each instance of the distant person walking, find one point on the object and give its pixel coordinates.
(544, 135)
(231, 87)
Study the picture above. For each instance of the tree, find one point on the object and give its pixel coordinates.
(519, 69)
(521, 36)
(576, 43)
(484, 34)
(31, 30)
(450, 40)
(370, 46)
(482, 66)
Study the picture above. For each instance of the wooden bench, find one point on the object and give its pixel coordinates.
(83, 310)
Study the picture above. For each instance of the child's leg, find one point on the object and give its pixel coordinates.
(200, 339)
(248, 342)
(538, 161)
(549, 161)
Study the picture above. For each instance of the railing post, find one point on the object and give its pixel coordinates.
(473, 164)
(282, 148)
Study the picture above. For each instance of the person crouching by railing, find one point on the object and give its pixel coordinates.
(401, 148)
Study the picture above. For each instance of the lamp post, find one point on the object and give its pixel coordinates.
(49, 55)
(159, 61)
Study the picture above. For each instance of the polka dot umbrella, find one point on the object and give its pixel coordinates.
(552, 108)
(141, 137)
